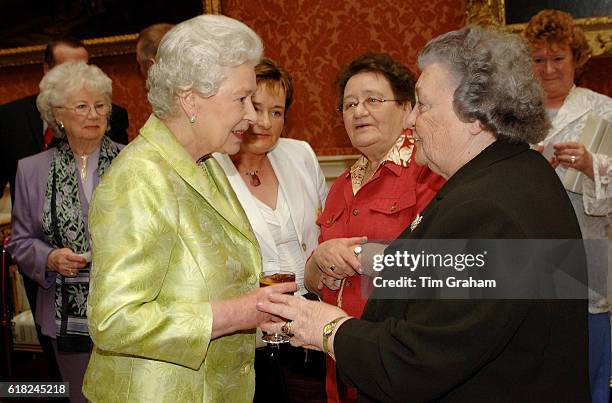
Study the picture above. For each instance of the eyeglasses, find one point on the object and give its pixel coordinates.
(102, 109)
(370, 103)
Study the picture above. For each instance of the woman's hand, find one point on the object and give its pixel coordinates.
(307, 318)
(572, 154)
(263, 293)
(336, 257)
(65, 262)
(329, 282)
(240, 313)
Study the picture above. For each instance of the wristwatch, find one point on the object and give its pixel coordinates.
(328, 329)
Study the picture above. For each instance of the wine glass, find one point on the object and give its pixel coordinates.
(276, 277)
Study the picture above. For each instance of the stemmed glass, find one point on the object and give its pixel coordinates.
(275, 277)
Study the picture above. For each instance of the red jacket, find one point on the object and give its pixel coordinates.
(380, 210)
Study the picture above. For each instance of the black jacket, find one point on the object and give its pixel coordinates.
(477, 350)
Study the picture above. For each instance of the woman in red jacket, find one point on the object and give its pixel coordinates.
(379, 196)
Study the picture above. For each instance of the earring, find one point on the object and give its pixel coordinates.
(60, 125)
(192, 119)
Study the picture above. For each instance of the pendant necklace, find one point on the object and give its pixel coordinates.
(255, 181)
(83, 167)
(254, 175)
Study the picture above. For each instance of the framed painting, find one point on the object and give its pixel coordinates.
(593, 16)
(107, 27)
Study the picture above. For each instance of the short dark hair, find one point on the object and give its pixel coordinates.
(268, 72)
(69, 41)
(400, 79)
(149, 39)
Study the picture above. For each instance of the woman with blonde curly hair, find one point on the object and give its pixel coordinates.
(560, 51)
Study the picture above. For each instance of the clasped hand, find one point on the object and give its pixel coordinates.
(307, 317)
(336, 260)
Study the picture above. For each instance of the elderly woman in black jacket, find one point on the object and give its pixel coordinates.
(478, 106)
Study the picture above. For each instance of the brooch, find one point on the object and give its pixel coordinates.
(416, 222)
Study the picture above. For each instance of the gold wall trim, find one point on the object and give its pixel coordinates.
(598, 30)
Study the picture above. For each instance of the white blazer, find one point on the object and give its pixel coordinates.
(303, 184)
(569, 122)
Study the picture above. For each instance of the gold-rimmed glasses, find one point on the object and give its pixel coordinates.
(371, 103)
(83, 109)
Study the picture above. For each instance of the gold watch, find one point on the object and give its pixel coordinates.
(328, 329)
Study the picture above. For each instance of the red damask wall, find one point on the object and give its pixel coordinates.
(312, 39)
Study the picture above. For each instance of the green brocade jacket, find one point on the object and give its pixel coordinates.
(167, 236)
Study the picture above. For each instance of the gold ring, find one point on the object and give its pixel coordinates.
(286, 328)
(332, 267)
(573, 159)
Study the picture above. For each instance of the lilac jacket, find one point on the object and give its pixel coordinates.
(28, 247)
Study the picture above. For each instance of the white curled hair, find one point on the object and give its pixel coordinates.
(64, 80)
(193, 56)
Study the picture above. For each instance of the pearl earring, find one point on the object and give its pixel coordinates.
(192, 119)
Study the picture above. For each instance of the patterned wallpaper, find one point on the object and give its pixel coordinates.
(312, 39)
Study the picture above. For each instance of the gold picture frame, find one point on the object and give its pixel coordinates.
(104, 46)
(598, 30)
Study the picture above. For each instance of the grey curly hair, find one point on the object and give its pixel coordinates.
(193, 55)
(496, 83)
(65, 79)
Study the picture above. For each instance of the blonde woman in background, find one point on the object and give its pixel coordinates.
(559, 51)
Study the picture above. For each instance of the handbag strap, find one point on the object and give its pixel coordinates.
(58, 242)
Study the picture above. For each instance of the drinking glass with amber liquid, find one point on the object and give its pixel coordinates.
(276, 277)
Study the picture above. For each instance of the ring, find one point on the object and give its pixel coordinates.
(357, 251)
(286, 328)
(332, 267)
(573, 159)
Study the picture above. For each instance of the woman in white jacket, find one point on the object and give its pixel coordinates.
(282, 190)
(278, 180)
(559, 49)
